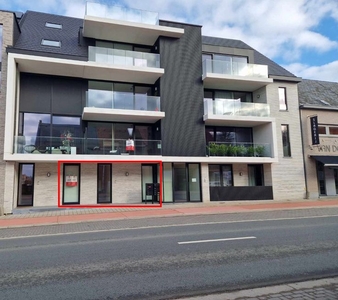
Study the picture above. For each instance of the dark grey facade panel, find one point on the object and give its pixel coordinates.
(181, 88)
(49, 94)
(236, 193)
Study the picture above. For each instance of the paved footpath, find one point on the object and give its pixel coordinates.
(52, 215)
(323, 289)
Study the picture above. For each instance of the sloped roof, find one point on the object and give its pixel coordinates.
(273, 68)
(318, 93)
(33, 30)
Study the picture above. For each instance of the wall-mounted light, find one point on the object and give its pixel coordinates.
(240, 173)
(48, 174)
(258, 96)
(127, 173)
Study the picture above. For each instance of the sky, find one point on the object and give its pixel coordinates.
(300, 35)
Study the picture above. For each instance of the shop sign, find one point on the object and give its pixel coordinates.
(314, 130)
(326, 145)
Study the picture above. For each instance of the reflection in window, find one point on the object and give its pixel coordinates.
(256, 175)
(26, 185)
(220, 175)
(286, 141)
(228, 134)
(282, 98)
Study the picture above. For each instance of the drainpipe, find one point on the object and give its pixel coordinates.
(302, 140)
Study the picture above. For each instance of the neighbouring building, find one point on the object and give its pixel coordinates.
(123, 85)
(319, 116)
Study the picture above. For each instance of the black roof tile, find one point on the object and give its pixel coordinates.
(318, 93)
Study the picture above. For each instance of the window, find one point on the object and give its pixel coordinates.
(26, 185)
(51, 43)
(286, 141)
(53, 25)
(256, 175)
(333, 130)
(220, 175)
(282, 98)
(104, 183)
(228, 134)
(321, 129)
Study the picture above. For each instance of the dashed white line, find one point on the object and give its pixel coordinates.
(217, 240)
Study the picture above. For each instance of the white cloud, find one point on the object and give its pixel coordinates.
(327, 72)
(280, 29)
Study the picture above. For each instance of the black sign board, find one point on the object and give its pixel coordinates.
(314, 130)
(149, 189)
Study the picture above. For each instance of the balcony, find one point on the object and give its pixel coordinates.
(238, 149)
(235, 113)
(121, 107)
(122, 24)
(230, 75)
(130, 66)
(83, 146)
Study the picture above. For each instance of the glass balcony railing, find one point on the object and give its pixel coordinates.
(238, 149)
(235, 107)
(234, 68)
(116, 12)
(121, 100)
(85, 146)
(123, 57)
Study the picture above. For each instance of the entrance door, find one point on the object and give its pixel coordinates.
(256, 175)
(104, 183)
(26, 185)
(71, 184)
(149, 175)
(187, 184)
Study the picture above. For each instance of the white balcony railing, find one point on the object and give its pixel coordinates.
(234, 68)
(123, 57)
(235, 107)
(116, 12)
(121, 100)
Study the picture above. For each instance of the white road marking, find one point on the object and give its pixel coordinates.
(146, 227)
(217, 240)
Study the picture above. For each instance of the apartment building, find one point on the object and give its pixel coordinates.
(319, 121)
(120, 100)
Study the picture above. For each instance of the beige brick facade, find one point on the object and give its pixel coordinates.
(288, 174)
(7, 20)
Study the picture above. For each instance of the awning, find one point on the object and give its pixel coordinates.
(327, 161)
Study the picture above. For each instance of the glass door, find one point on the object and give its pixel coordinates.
(194, 182)
(180, 182)
(149, 176)
(71, 184)
(26, 185)
(104, 183)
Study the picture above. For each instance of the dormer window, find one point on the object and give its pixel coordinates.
(53, 25)
(51, 43)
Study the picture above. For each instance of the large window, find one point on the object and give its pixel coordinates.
(256, 175)
(225, 64)
(45, 132)
(282, 98)
(220, 175)
(286, 141)
(217, 94)
(104, 183)
(228, 134)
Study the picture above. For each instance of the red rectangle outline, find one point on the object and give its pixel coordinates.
(108, 161)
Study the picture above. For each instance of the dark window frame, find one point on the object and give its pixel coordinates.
(64, 181)
(19, 182)
(111, 183)
(284, 100)
(286, 140)
(220, 168)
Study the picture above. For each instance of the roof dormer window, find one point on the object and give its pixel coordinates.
(51, 43)
(53, 25)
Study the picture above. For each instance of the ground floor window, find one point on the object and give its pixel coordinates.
(220, 175)
(26, 185)
(321, 178)
(256, 175)
(104, 183)
(149, 176)
(71, 184)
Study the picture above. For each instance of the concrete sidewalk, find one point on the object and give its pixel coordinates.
(48, 216)
(323, 289)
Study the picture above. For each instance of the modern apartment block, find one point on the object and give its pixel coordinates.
(121, 85)
(319, 116)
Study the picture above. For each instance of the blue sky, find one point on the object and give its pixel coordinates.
(300, 35)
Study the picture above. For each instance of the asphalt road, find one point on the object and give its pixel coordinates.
(165, 262)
